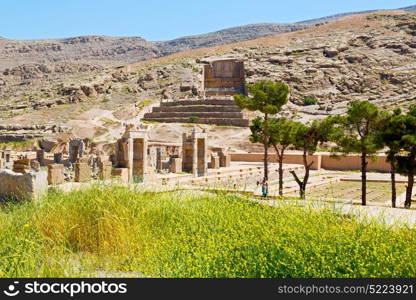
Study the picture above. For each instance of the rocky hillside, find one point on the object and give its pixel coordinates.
(338, 16)
(86, 53)
(226, 36)
(93, 49)
(371, 56)
(112, 51)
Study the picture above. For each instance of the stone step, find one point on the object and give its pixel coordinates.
(228, 102)
(197, 108)
(218, 115)
(214, 121)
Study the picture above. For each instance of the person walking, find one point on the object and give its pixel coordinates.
(264, 188)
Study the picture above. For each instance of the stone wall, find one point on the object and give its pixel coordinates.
(321, 161)
(30, 185)
(224, 77)
(221, 115)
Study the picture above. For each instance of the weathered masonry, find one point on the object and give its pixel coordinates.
(132, 151)
(194, 153)
(224, 77)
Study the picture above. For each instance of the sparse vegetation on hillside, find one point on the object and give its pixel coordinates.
(19, 146)
(309, 101)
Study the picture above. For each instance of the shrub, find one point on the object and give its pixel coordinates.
(143, 104)
(309, 101)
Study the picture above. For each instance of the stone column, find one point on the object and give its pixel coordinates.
(105, 170)
(130, 157)
(225, 160)
(158, 159)
(40, 157)
(140, 155)
(2, 163)
(215, 161)
(7, 155)
(57, 158)
(194, 156)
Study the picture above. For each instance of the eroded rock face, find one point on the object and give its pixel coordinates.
(334, 63)
(374, 62)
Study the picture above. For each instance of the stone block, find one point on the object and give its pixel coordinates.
(21, 165)
(56, 174)
(34, 164)
(105, 168)
(225, 161)
(215, 162)
(29, 186)
(121, 174)
(175, 165)
(82, 172)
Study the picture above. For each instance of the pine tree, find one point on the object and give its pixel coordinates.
(267, 97)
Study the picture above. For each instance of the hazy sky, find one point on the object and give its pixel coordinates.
(161, 20)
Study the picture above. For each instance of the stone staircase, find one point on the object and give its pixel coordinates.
(215, 111)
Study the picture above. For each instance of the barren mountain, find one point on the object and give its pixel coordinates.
(338, 16)
(101, 50)
(111, 51)
(226, 36)
(368, 56)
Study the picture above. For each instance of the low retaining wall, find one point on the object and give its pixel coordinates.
(322, 160)
(23, 186)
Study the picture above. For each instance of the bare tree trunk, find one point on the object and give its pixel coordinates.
(266, 147)
(302, 184)
(363, 179)
(393, 184)
(281, 177)
(280, 157)
(306, 178)
(409, 189)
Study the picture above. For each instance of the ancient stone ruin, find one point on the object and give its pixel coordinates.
(223, 78)
(134, 158)
(194, 153)
(76, 149)
(132, 150)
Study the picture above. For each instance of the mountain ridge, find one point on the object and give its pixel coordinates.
(108, 51)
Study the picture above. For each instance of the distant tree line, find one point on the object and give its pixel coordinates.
(365, 129)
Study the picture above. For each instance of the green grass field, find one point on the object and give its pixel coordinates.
(115, 231)
(379, 192)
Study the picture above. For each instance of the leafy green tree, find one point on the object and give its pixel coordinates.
(267, 97)
(360, 136)
(282, 133)
(282, 136)
(390, 133)
(406, 161)
(307, 138)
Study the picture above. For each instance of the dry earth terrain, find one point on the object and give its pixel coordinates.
(367, 56)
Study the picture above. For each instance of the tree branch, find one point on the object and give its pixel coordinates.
(296, 177)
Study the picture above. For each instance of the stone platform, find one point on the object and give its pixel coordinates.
(215, 111)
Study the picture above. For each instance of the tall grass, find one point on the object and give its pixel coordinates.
(183, 234)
